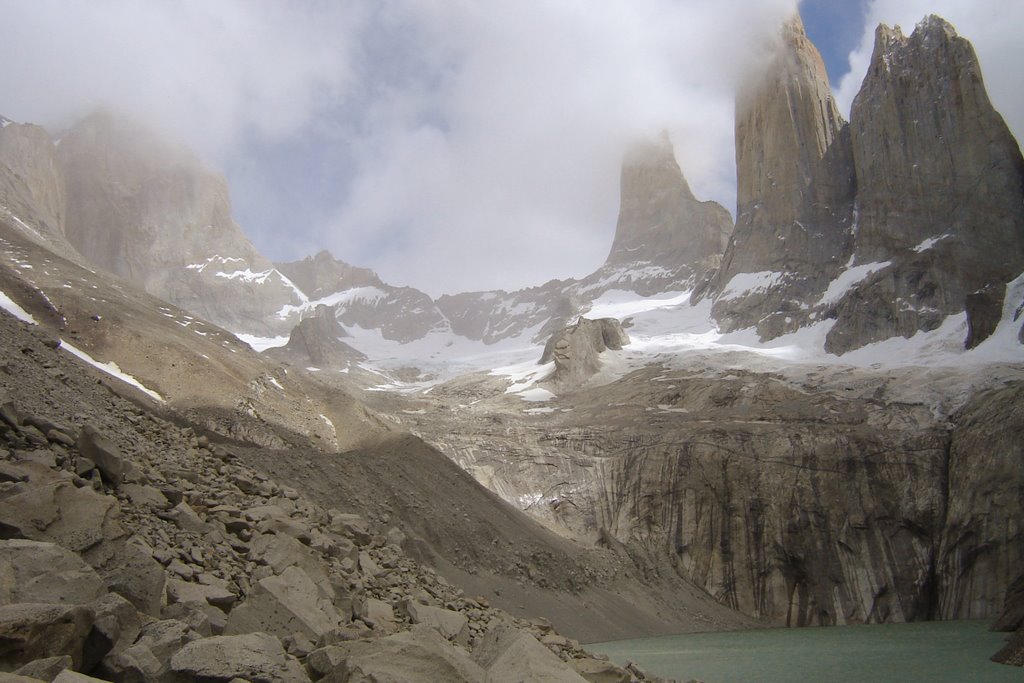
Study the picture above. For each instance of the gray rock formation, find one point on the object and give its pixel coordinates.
(808, 501)
(251, 575)
(794, 195)
(317, 342)
(660, 222)
(940, 189)
(576, 350)
(929, 199)
(153, 214)
(32, 191)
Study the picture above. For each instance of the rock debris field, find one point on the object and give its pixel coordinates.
(135, 549)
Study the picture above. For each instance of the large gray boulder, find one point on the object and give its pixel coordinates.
(421, 654)
(452, 625)
(285, 605)
(256, 657)
(78, 519)
(511, 655)
(30, 631)
(36, 571)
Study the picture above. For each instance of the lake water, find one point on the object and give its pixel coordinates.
(901, 653)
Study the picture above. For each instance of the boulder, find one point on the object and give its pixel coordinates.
(186, 519)
(30, 631)
(131, 571)
(69, 676)
(109, 460)
(284, 605)
(417, 655)
(45, 669)
(450, 624)
(149, 658)
(600, 671)
(116, 626)
(351, 526)
(213, 596)
(377, 614)
(511, 655)
(1013, 652)
(18, 678)
(80, 520)
(281, 551)
(256, 657)
(37, 571)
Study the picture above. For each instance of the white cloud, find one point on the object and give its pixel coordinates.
(473, 144)
(992, 26)
(501, 166)
(207, 72)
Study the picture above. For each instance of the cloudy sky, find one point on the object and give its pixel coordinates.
(448, 144)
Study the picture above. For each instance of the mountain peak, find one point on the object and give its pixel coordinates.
(660, 221)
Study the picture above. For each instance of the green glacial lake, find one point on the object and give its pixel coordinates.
(900, 653)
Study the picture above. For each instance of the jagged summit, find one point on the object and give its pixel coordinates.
(322, 274)
(794, 188)
(888, 224)
(660, 221)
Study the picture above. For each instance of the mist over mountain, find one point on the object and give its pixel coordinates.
(214, 465)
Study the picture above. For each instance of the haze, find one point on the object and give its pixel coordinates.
(450, 145)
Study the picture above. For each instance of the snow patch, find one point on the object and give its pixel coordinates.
(848, 279)
(261, 343)
(111, 369)
(247, 275)
(17, 311)
(618, 303)
(536, 395)
(744, 284)
(931, 242)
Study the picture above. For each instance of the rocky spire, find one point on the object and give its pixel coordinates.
(660, 221)
(794, 179)
(933, 156)
(940, 191)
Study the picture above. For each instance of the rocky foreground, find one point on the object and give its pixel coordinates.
(135, 549)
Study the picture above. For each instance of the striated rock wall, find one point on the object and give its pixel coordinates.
(803, 507)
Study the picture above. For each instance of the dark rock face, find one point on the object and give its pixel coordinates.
(660, 221)
(978, 557)
(940, 186)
